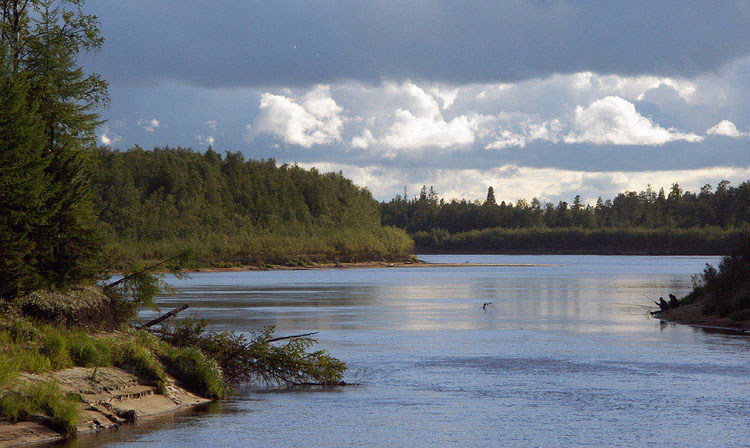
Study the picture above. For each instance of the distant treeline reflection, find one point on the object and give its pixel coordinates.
(708, 222)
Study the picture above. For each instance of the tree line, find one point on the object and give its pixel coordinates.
(234, 211)
(724, 207)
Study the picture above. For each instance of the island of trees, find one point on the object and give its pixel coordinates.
(712, 221)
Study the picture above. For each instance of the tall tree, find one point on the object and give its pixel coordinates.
(45, 38)
(490, 196)
(24, 183)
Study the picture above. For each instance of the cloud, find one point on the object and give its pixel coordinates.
(363, 141)
(108, 137)
(727, 129)
(506, 140)
(513, 182)
(206, 140)
(613, 120)
(431, 130)
(212, 124)
(314, 119)
(149, 125)
(327, 41)
(393, 118)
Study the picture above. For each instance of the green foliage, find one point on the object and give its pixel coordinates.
(727, 289)
(258, 358)
(88, 351)
(55, 347)
(195, 371)
(41, 398)
(233, 211)
(708, 222)
(142, 363)
(48, 218)
(24, 184)
(708, 240)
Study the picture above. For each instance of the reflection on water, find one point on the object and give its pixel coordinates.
(565, 355)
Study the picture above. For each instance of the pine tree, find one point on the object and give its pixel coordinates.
(490, 196)
(44, 38)
(24, 183)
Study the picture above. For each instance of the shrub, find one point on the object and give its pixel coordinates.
(195, 371)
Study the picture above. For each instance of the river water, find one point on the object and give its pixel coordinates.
(566, 355)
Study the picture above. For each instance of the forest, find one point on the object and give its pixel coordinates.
(230, 211)
(711, 221)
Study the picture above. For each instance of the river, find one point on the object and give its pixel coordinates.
(566, 355)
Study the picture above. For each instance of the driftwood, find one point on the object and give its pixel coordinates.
(292, 336)
(165, 316)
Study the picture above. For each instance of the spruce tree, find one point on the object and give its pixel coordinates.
(67, 100)
(24, 184)
(45, 38)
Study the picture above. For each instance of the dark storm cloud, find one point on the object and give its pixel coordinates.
(285, 43)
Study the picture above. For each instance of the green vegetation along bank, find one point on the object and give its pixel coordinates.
(230, 211)
(709, 222)
(720, 297)
(608, 241)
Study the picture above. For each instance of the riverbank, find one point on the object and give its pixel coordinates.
(107, 397)
(692, 314)
(579, 241)
(358, 265)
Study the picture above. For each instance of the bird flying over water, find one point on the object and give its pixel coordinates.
(484, 307)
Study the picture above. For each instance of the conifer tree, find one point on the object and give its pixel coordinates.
(490, 196)
(44, 39)
(24, 183)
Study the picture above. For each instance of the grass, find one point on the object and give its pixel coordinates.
(265, 249)
(195, 371)
(41, 398)
(36, 347)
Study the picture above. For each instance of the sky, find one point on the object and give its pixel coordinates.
(537, 98)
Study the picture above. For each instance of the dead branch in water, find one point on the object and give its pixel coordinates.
(165, 316)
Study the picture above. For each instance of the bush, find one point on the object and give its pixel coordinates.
(195, 371)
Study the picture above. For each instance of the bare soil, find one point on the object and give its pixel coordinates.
(109, 397)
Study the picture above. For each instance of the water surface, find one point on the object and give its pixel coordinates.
(566, 355)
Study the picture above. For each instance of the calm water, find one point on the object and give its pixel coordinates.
(566, 355)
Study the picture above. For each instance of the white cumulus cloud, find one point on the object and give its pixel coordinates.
(727, 129)
(615, 121)
(513, 182)
(314, 119)
(108, 137)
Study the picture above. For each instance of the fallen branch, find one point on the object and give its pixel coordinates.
(292, 336)
(146, 269)
(165, 316)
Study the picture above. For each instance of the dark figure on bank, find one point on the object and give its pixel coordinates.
(486, 304)
(663, 305)
(673, 302)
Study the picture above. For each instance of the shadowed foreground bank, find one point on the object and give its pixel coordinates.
(720, 297)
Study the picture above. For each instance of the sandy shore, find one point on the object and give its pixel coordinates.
(109, 398)
(691, 315)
